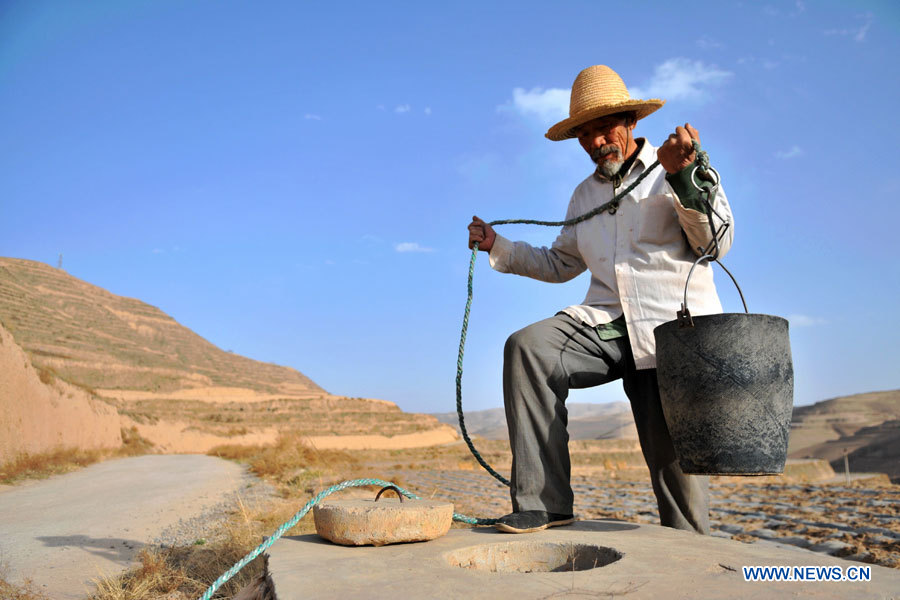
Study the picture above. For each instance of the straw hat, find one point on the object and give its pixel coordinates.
(599, 91)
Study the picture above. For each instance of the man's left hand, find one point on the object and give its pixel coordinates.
(677, 151)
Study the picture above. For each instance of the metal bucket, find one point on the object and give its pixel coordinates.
(726, 384)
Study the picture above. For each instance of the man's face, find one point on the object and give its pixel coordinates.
(607, 140)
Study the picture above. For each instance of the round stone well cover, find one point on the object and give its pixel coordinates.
(359, 522)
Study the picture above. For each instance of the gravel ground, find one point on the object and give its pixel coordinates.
(206, 525)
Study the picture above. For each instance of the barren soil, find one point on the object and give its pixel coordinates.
(860, 521)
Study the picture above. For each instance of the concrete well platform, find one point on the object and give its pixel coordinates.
(589, 559)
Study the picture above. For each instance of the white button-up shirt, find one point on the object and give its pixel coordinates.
(638, 258)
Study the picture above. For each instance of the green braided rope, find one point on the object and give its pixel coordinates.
(459, 372)
(702, 157)
(300, 514)
(614, 203)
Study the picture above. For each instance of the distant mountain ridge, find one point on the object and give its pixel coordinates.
(96, 339)
(866, 426)
(587, 421)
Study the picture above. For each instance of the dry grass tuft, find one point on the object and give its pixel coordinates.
(154, 578)
(47, 375)
(291, 462)
(63, 460)
(44, 464)
(9, 591)
(133, 444)
(181, 573)
(187, 571)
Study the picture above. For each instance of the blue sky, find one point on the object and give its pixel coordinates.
(293, 182)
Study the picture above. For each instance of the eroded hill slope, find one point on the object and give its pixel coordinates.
(174, 388)
(39, 412)
(96, 339)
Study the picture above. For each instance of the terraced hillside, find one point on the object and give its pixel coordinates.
(96, 339)
(332, 415)
(173, 388)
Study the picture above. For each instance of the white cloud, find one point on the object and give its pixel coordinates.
(312, 117)
(681, 79)
(402, 108)
(857, 33)
(549, 105)
(675, 79)
(158, 251)
(411, 247)
(794, 152)
(805, 321)
(371, 238)
(427, 110)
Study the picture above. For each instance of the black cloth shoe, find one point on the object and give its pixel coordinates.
(531, 520)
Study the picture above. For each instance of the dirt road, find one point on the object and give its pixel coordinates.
(67, 530)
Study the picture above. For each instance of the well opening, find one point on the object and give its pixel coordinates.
(532, 557)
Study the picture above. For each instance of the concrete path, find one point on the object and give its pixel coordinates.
(67, 530)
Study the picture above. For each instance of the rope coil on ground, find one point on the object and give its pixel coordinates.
(286, 526)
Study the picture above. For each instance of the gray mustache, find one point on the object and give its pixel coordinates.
(602, 151)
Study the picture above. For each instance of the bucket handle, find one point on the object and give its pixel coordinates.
(684, 315)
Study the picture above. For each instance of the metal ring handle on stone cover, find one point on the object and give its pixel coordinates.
(386, 488)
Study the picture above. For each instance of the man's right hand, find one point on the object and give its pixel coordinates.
(481, 232)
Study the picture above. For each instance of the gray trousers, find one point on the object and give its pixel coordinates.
(541, 363)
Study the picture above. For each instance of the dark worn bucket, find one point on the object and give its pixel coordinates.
(726, 383)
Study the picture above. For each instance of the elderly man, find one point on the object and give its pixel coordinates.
(639, 254)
